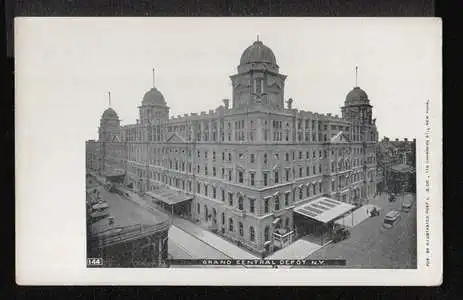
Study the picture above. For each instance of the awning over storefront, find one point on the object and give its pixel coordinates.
(169, 196)
(324, 209)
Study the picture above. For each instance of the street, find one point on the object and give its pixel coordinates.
(372, 246)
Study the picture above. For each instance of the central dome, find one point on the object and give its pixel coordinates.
(357, 96)
(154, 97)
(258, 53)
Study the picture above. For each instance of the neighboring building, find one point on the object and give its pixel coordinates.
(243, 168)
(394, 158)
(120, 241)
(92, 156)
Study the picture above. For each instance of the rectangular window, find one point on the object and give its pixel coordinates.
(205, 170)
(252, 158)
(287, 174)
(277, 203)
(265, 179)
(253, 179)
(252, 205)
(266, 202)
(300, 154)
(205, 190)
(213, 155)
(240, 177)
(229, 175)
(230, 224)
(240, 203)
(276, 177)
(199, 188)
(286, 199)
(214, 192)
(214, 172)
(300, 172)
(230, 199)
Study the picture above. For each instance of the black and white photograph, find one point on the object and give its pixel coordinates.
(304, 144)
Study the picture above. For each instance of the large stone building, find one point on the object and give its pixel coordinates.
(242, 168)
(396, 165)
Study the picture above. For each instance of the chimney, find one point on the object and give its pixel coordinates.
(226, 103)
(414, 140)
(396, 140)
(290, 103)
(406, 140)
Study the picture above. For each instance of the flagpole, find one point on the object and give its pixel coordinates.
(153, 78)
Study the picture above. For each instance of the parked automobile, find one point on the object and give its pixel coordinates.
(340, 234)
(374, 212)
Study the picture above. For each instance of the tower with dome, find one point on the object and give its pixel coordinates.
(255, 170)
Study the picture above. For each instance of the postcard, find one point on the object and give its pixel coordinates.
(228, 151)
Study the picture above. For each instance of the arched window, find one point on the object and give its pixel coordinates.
(320, 188)
(300, 193)
(229, 156)
(287, 156)
(240, 203)
(230, 224)
(223, 218)
(308, 191)
(287, 222)
(266, 233)
(241, 229)
(313, 189)
(252, 233)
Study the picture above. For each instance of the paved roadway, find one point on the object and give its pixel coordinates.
(372, 246)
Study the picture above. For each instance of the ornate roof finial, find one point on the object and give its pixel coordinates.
(356, 75)
(257, 37)
(109, 98)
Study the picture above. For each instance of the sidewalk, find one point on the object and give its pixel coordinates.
(219, 243)
(226, 247)
(300, 249)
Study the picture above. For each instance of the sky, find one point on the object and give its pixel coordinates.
(65, 66)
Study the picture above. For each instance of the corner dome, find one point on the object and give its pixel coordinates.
(110, 113)
(357, 96)
(154, 97)
(258, 53)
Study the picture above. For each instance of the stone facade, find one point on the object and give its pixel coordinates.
(249, 164)
(391, 154)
